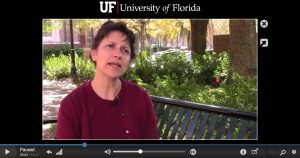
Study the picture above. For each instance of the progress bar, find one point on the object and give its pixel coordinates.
(140, 151)
(163, 151)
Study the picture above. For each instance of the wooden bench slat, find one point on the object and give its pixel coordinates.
(164, 118)
(221, 128)
(202, 125)
(230, 132)
(253, 134)
(170, 122)
(206, 107)
(211, 126)
(49, 121)
(194, 124)
(177, 123)
(185, 124)
(159, 109)
(243, 129)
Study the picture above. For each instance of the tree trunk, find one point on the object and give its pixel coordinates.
(65, 31)
(177, 41)
(198, 33)
(165, 41)
(189, 44)
(73, 68)
(243, 47)
(143, 24)
(86, 44)
(83, 37)
(136, 43)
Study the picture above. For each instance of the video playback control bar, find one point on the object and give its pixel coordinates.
(149, 150)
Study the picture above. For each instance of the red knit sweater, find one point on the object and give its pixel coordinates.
(84, 115)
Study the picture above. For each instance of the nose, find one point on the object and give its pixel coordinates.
(117, 53)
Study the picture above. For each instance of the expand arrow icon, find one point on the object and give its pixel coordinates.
(264, 42)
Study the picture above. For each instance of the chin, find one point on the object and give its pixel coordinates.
(114, 75)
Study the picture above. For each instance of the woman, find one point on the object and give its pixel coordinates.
(108, 107)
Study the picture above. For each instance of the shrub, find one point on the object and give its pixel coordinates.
(60, 67)
(57, 67)
(85, 69)
(174, 65)
(148, 68)
(210, 66)
(171, 75)
(142, 68)
(242, 93)
(61, 50)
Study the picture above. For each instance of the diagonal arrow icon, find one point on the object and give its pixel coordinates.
(264, 42)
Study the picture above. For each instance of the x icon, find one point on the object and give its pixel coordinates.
(264, 23)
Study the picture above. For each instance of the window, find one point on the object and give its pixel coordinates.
(47, 28)
(50, 32)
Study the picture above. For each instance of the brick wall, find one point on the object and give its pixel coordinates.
(63, 37)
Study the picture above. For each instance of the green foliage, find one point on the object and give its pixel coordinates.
(223, 66)
(171, 75)
(148, 68)
(242, 93)
(141, 68)
(50, 25)
(60, 67)
(52, 132)
(57, 67)
(64, 49)
(85, 69)
(173, 65)
(210, 66)
(176, 66)
(85, 24)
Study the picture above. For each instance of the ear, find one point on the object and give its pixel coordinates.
(94, 55)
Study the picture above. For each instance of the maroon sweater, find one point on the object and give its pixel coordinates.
(84, 115)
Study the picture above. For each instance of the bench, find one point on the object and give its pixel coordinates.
(179, 119)
(188, 120)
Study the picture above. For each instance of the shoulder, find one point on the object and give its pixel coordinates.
(136, 93)
(133, 88)
(77, 94)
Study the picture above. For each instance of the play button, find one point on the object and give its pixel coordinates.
(6, 152)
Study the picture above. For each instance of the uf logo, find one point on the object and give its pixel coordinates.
(107, 7)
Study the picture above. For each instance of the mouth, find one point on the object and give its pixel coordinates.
(114, 64)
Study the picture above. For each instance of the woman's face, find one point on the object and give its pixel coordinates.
(112, 55)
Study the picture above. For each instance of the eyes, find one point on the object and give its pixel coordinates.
(124, 50)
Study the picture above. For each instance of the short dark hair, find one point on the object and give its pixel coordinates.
(109, 26)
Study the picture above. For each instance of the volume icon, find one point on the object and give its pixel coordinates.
(108, 151)
(60, 152)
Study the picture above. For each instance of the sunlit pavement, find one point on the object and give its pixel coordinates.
(53, 92)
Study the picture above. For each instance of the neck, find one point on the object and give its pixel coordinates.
(105, 87)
